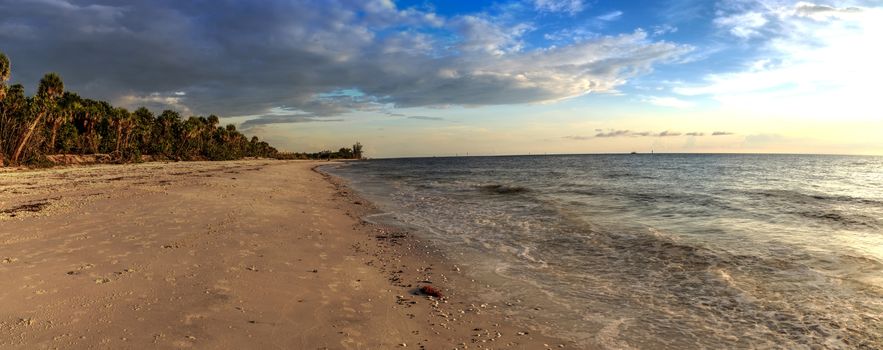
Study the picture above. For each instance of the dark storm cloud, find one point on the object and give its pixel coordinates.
(247, 57)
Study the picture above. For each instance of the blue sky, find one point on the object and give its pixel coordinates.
(414, 78)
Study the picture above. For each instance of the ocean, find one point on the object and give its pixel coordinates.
(656, 251)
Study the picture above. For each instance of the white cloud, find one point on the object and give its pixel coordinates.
(611, 16)
(813, 60)
(822, 12)
(569, 35)
(743, 25)
(664, 29)
(245, 58)
(156, 101)
(481, 34)
(672, 102)
(558, 73)
(568, 6)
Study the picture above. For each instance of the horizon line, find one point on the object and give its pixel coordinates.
(634, 154)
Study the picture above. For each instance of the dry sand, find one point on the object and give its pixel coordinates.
(222, 255)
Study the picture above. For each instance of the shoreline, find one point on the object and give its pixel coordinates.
(223, 255)
(486, 321)
(519, 315)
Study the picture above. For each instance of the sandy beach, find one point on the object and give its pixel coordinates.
(244, 254)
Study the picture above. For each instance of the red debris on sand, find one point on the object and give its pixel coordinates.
(429, 290)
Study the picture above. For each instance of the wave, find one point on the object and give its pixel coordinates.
(503, 189)
(807, 198)
(837, 210)
(723, 258)
(685, 283)
(846, 221)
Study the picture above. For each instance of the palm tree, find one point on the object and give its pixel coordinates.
(69, 105)
(4, 74)
(90, 117)
(357, 151)
(13, 112)
(51, 88)
(213, 121)
(166, 126)
(190, 130)
(128, 121)
(144, 121)
(119, 119)
(54, 121)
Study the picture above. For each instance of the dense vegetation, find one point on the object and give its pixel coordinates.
(343, 153)
(55, 121)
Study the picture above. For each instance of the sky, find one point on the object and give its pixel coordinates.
(439, 78)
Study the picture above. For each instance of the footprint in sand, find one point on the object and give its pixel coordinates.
(80, 268)
(189, 318)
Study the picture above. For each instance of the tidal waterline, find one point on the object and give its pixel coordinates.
(657, 251)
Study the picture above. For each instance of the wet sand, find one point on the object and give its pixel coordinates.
(211, 255)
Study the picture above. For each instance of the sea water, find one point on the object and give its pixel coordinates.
(657, 251)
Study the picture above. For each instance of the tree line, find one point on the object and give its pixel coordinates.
(55, 121)
(344, 153)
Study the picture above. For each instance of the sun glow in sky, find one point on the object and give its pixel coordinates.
(423, 78)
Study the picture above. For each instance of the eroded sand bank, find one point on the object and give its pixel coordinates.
(247, 254)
